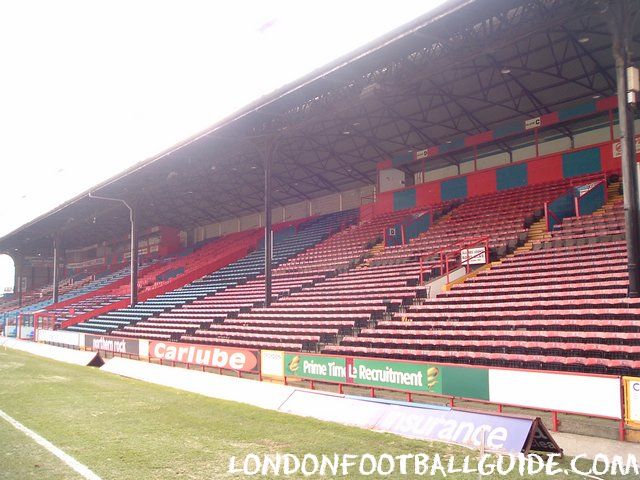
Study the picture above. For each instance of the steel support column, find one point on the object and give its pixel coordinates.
(56, 267)
(268, 234)
(134, 256)
(620, 22)
(18, 265)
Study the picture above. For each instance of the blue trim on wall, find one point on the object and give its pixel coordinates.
(454, 188)
(508, 129)
(512, 176)
(581, 163)
(402, 158)
(455, 144)
(577, 111)
(404, 199)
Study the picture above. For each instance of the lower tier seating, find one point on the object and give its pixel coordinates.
(553, 309)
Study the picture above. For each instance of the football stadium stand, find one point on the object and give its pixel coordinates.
(450, 199)
(556, 302)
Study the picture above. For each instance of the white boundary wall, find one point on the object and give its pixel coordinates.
(583, 394)
(61, 354)
(259, 394)
(62, 337)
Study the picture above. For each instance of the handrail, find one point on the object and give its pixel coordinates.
(467, 262)
(548, 212)
(454, 248)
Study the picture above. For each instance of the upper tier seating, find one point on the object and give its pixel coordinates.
(503, 217)
(287, 243)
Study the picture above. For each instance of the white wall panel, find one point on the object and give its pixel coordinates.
(326, 204)
(296, 210)
(571, 393)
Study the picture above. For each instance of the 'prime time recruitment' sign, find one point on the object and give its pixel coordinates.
(398, 375)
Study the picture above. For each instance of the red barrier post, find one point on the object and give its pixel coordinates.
(546, 214)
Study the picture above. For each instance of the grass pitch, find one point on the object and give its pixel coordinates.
(127, 429)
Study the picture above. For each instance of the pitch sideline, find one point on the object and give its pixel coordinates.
(66, 458)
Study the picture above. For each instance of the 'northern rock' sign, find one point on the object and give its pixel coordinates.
(129, 346)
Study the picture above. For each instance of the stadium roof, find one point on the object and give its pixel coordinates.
(461, 69)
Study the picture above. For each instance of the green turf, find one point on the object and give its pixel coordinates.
(127, 429)
(21, 458)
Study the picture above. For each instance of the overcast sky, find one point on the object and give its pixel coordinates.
(89, 88)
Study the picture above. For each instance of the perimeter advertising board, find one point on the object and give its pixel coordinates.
(632, 400)
(206, 355)
(391, 374)
(61, 337)
(492, 431)
(272, 364)
(129, 346)
(565, 392)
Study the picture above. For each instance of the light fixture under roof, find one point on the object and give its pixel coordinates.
(596, 96)
(583, 39)
(346, 132)
(505, 71)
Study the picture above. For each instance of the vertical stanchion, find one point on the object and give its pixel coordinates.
(268, 234)
(134, 256)
(620, 23)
